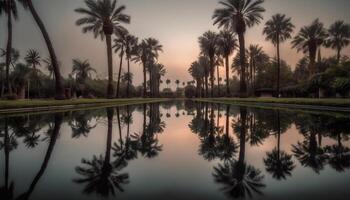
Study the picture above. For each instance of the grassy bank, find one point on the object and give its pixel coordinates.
(292, 101)
(33, 104)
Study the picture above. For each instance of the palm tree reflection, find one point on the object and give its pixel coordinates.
(278, 162)
(238, 179)
(100, 175)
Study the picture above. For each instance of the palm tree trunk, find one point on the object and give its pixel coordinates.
(144, 80)
(338, 55)
(58, 78)
(227, 77)
(120, 71)
(129, 77)
(218, 76)
(278, 67)
(243, 86)
(110, 67)
(212, 70)
(8, 88)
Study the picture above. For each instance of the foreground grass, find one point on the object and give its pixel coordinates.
(292, 101)
(18, 104)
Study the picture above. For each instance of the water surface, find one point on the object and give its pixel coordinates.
(175, 150)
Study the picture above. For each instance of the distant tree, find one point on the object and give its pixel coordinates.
(177, 82)
(168, 81)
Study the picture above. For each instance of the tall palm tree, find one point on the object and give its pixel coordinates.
(204, 63)
(227, 44)
(257, 59)
(308, 40)
(208, 45)
(119, 47)
(238, 15)
(155, 47)
(103, 18)
(55, 64)
(82, 69)
(339, 37)
(130, 47)
(9, 7)
(147, 53)
(277, 30)
(33, 59)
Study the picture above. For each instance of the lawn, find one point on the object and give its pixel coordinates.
(20, 104)
(293, 101)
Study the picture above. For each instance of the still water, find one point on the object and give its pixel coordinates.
(175, 150)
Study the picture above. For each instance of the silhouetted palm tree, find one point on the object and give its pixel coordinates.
(277, 30)
(308, 40)
(33, 59)
(208, 45)
(257, 59)
(339, 37)
(130, 48)
(237, 15)
(103, 18)
(227, 44)
(197, 72)
(55, 64)
(82, 69)
(119, 47)
(9, 7)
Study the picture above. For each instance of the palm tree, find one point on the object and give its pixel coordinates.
(33, 59)
(237, 15)
(208, 46)
(147, 52)
(119, 46)
(339, 37)
(55, 64)
(277, 30)
(82, 69)
(130, 47)
(9, 7)
(227, 44)
(103, 18)
(155, 47)
(197, 72)
(308, 40)
(257, 59)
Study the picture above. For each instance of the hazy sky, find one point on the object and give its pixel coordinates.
(177, 24)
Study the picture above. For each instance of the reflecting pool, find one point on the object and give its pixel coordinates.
(176, 150)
